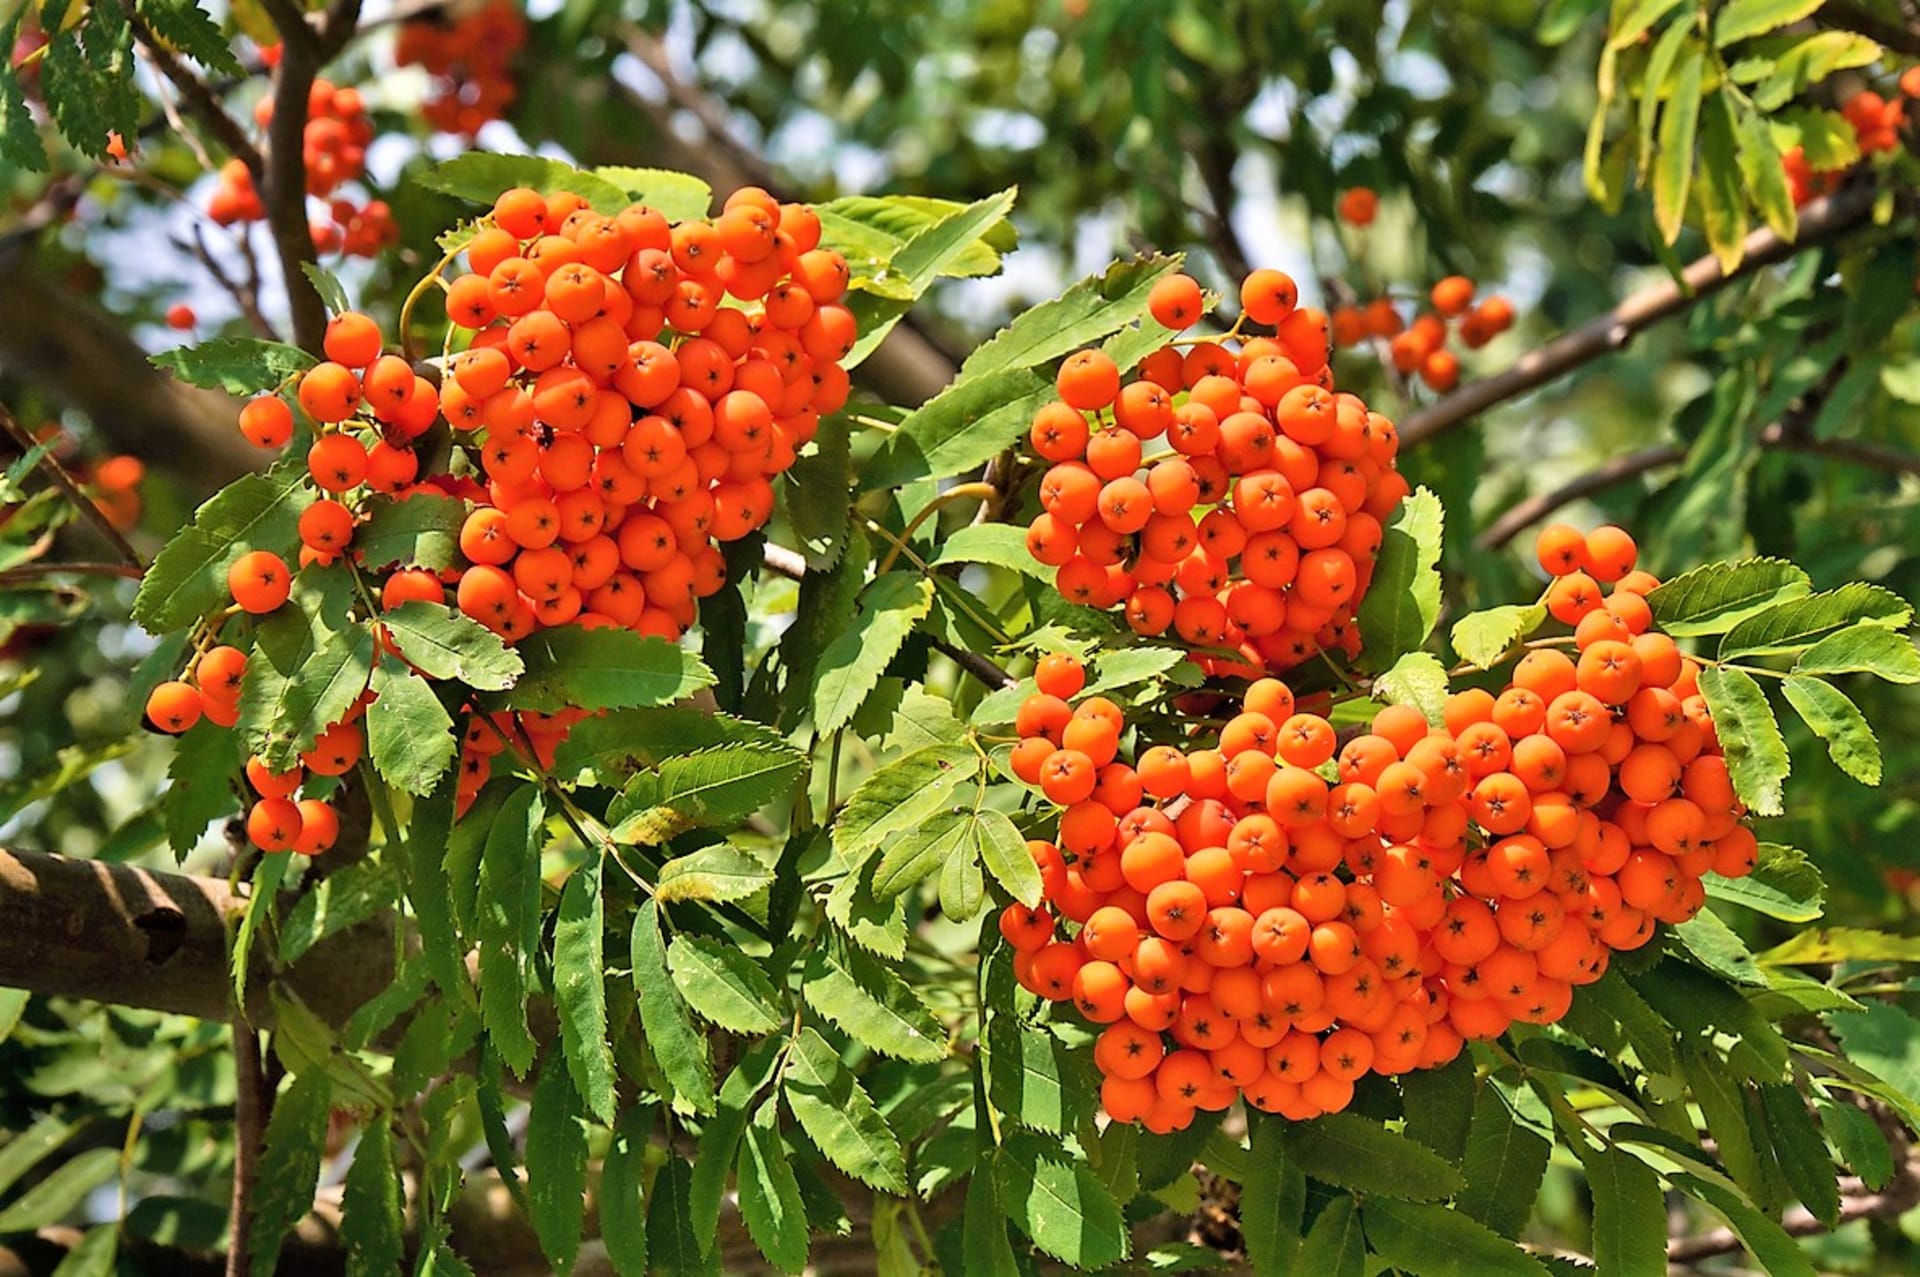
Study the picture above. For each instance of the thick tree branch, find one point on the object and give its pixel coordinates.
(1842, 15)
(284, 189)
(252, 1100)
(1820, 221)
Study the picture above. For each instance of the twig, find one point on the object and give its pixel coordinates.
(197, 96)
(251, 1102)
(1819, 221)
(36, 571)
(1616, 470)
(1844, 16)
(70, 489)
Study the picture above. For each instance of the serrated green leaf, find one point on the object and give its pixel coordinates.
(878, 926)
(423, 857)
(1763, 173)
(724, 985)
(622, 1198)
(1884, 1040)
(1483, 638)
(480, 176)
(580, 991)
(937, 249)
(54, 1198)
(1723, 1107)
(1433, 1241)
(1631, 21)
(87, 80)
(1713, 598)
(421, 530)
(1403, 602)
(1715, 946)
(1060, 1204)
(1861, 1143)
(1863, 649)
(341, 900)
(1756, 754)
(679, 1047)
(1810, 60)
(289, 1166)
(237, 365)
(1800, 1151)
(371, 1222)
(678, 197)
(409, 732)
(188, 578)
(720, 1136)
(556, 1164)
(1779, 1254)
(188, 28)
(1357, 1153)
(282, 715)
(852, 663)
(1835, 719)
(1795, 625)
(673, 1248)
(507, 924)
(998, 544)
(1673, 164)
(902, 794)
(571, 667)
(1131, 666)
(1417, 679)
(1273, 1199)
(769, 1195)
(1784, 884)
(1719, 192)
(719, 873)
(1745, 19)
(921, 852)
(445, 644)
(985, 1247)
(1825, 138)
(267, 877)
(1629, 1213)
(840, 1117)
(871, 1004)
(1439, 1107)
(1335, 1245)
(1505, 1163)
(1842, 944)
(715, 787)
(1036, 1079)
(201, 771)
(817, 493)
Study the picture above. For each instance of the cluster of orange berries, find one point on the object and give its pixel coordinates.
(468, 55)
(1420, 348)
(1876, 121)
(334, 144)
(1291, 481)
(114, 485)
(1294, 913)
(278, 819)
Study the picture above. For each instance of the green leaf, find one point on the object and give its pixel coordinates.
(556, 1164)
(878, 926)
(1713, 945)
(935, 250)
(1795, 625)
(1483, 638)
(283, 713)
(1357, 1153)
(188, 28)
(87, 80)
(1433, 1241)
(1756, 754)
(201, 772)
(1673, 166)
(769, 1195)
(1629, 1213)
(1744, 19)
(724, 985)
(1334, 1246)
(580, 990)
(1884, 1040)
(423, 858)
(1036, 1079)
(25, 1149)
(267, 878)
(871, 1004)
(623, 1206)
(985, 1247)
(237, 365)
(720, 1136)
(1060, 1204)
(1714, 598)
(1835, 719)
(188, 578)
(840, 1117)
(868, 230)
(852, 663)
(571, 667)
(1417, 679)
(479, 176)
(1273, 1200)
(998, 544)
(1802, 1154)
(607, 748)
(19, 134)
(56, 1197)
(1131, 666)
(289, 1166)
(676, 1043)
(1636, 20)
(1403, 601)
(817, 493)
(1825, 138)
(1863, 649)
(421, 530)
(96, 1254)
(948, 835)
(1720, 193)
(445, 644)
(1722, 1098)
(1439, 1107)
(1810, 60)
(1763, 173)
(371, 1221)
(717, 787)
(341, 900)
(678, 197)
(409, 732)
(507, 924)
(1841, 944)
(1861, 1143)
(1784, 884)
(672, 1245)
(902, 794)
(332, 294)
(720, 873)
(1504, 1165)
(1779, 1254)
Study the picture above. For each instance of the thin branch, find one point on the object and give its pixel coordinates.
(70, 489)
(198, 97)
(39, 571)
(1841, 15)
(711, 117)
(1601, 336)
(1215, 160)
(1615, 470)
(1858, 451)
(1899, 1196)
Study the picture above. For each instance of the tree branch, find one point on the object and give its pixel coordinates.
(284, 188)
(1841, 15)
(1899, 1196)
(1820, 221)
(51, 467)
(199, 99)
(252, 1101)
(1615, 470)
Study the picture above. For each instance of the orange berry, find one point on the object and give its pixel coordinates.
(1175, 302)
(1088, 380)
(259, 581)
(274, 824)
(1452, 295)
(174, 707)
(266, 421)
(352, 339)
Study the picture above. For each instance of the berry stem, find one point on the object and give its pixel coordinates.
(959, 492)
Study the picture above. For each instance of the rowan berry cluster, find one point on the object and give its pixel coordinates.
(1420, 348)
(622, 422)
(334, 144)
(468, 55)
(1294, 913)
(1876, 121)
(1294, 481)
(114, 485)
